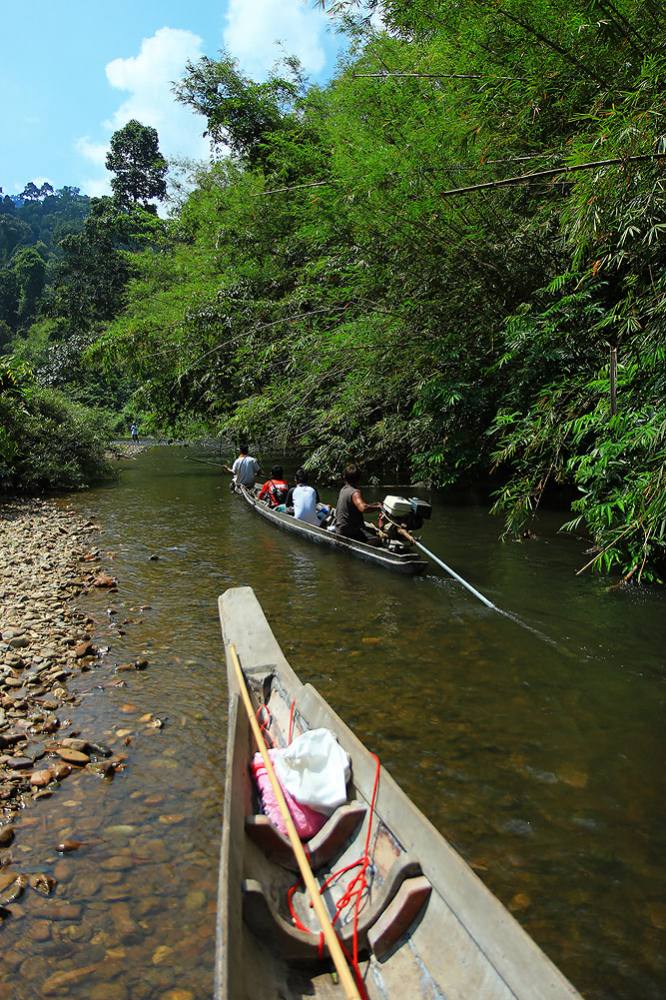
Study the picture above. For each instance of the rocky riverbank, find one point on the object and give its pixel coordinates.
(46, 558)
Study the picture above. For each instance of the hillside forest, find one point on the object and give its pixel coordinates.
(446, 263)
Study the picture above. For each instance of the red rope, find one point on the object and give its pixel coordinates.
(353, 894)
(291, 720)
(265, 725)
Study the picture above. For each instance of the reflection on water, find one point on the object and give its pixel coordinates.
(543, 765)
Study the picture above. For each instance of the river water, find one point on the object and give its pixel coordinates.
(541, 761)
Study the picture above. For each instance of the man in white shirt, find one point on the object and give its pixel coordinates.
(303, 499)
(245, 469)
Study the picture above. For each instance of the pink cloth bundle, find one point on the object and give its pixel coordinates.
(306, 820)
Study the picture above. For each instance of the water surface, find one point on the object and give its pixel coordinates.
(542, 762)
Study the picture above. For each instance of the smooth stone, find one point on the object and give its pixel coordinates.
(40, 930)
(17, 763)
(61, 980)
(108, 991)
(122, 919)
(63, 871)
(7, 834)
(120, 830)
(73, 744)
(40, 779)
(51, 909)
(195, 899)
(88, 884)
(7, 879)
(42, 883)
(73, 756)
(161, 953)
(118, 863)
(67, 846)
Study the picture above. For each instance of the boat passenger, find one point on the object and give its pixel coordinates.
(245, 469)
(351, 507)
(274, 491)
(304, 499)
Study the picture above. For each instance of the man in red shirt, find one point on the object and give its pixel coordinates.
(274, 491)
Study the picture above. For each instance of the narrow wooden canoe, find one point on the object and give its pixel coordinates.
(407, 562)
(428, 927)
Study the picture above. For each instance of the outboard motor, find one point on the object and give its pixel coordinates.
(409, 514)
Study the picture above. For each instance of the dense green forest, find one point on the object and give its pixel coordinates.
(448, 263)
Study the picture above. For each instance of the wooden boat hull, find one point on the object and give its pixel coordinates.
(429, 927)
(408, 563)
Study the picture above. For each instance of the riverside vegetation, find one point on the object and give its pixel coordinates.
(324, 282)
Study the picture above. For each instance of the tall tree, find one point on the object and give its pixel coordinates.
(30, 192)
(30, 269)
(138, 165)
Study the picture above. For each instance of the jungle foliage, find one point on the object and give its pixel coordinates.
(46, 440)
(327, 286)
(65, 261)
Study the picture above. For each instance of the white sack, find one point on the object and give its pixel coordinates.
(315, 770)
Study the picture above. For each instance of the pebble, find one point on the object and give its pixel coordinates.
(161, 953)
(73, 756)
(44, 640)
(40, 930)
(40, 779)
(7, 834)
(62, 980)
(6, 879)
(67, 846)
(195, 899)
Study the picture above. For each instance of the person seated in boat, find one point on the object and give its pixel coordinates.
(274, 491)
(304, 499)
(244, 470)
(351, 507)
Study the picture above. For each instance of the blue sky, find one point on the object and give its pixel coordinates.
(72, 73)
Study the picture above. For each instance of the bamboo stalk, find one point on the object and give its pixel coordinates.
(434, 76)
(294, 187)
(553, 172)
(334, 947)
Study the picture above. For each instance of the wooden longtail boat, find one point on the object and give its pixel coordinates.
(400, 562)
(427, 927)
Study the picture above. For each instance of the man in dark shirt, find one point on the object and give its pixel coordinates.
(351, 507)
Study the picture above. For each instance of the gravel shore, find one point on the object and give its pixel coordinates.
(46, 558)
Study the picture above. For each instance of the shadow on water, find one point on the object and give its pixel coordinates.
(542, 764)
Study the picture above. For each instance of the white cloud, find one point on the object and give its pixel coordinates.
(96, 187)
(95, 152)
(254, 29)
(147, 78)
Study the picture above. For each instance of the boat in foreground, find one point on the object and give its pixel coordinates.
(424, 926)
(400, 562)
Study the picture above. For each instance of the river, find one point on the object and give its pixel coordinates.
(541, 761)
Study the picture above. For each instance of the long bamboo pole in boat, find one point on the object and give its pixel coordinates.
(334, 947)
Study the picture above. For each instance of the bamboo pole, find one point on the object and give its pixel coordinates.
(553, 172)
(294, 187)
(456, 576)
(334, 947)
(433, 76)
